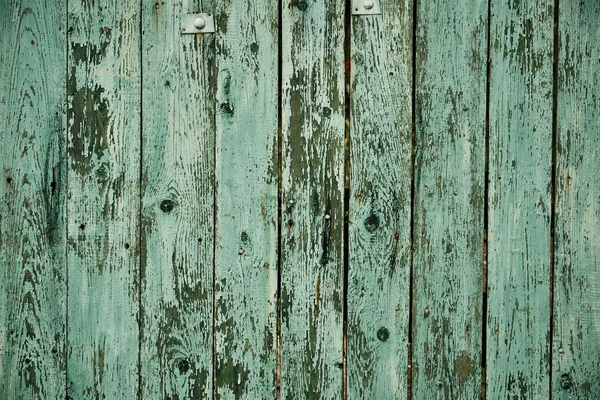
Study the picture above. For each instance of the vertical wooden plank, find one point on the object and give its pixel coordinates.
(177, 197)
(449, 190)
(519, 214)
(246, 199)
(380, 202)
(576, 341)
(32, 199)
(103, 147)
(312, 199)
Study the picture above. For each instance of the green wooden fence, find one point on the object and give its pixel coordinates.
(304, 204)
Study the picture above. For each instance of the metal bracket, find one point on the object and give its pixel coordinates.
(197, 23)
(365, 7)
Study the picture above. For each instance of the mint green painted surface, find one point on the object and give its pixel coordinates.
(576, 341)
(32, 200)
(312, 275)
(449, 199)
(520, 185)
(142, 184)
(246, 199)
(103, 149)
(380, 203)
(177, 206)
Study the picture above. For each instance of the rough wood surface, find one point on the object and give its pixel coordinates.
(177, 205)
(142, 186)
(312, 275)
(103, 115)
(449, 199)
(246, 199)
(32, 198)
(520, 168)
(380, 202)
(576, 341)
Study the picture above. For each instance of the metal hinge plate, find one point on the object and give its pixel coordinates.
(197, 23)
(365, 7)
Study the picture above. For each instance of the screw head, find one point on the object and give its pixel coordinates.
(199, 23)
(368, 4)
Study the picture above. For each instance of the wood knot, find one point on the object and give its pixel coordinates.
(383, 334)
(166, 206)
(226, 108)
(565, 381)
(372, 223)
(302, 5)
(184, 366)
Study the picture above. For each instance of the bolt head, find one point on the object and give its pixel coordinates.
(199, 23)
(368, 4)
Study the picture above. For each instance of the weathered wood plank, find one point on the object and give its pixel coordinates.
(312, 276)
(576, 341)
(32, 199)
(103, 86)
(449, 204)
(177, 203)
(246, 200)
(380, 202)
(520, 183)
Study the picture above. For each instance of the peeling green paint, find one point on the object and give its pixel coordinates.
(520, 152)
(449, 205)
(102, 153)
(32, 200)
(312, 195)
(576, 341)
(247, 156)
(89, 117)
(101, 203)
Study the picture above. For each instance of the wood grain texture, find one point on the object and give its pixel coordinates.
(448, 205)
(312, 275)
(576, 341)
(246, 199)
(32, 200)
(520, 184)
(103, 115)
(177, 205)
(380, 202)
